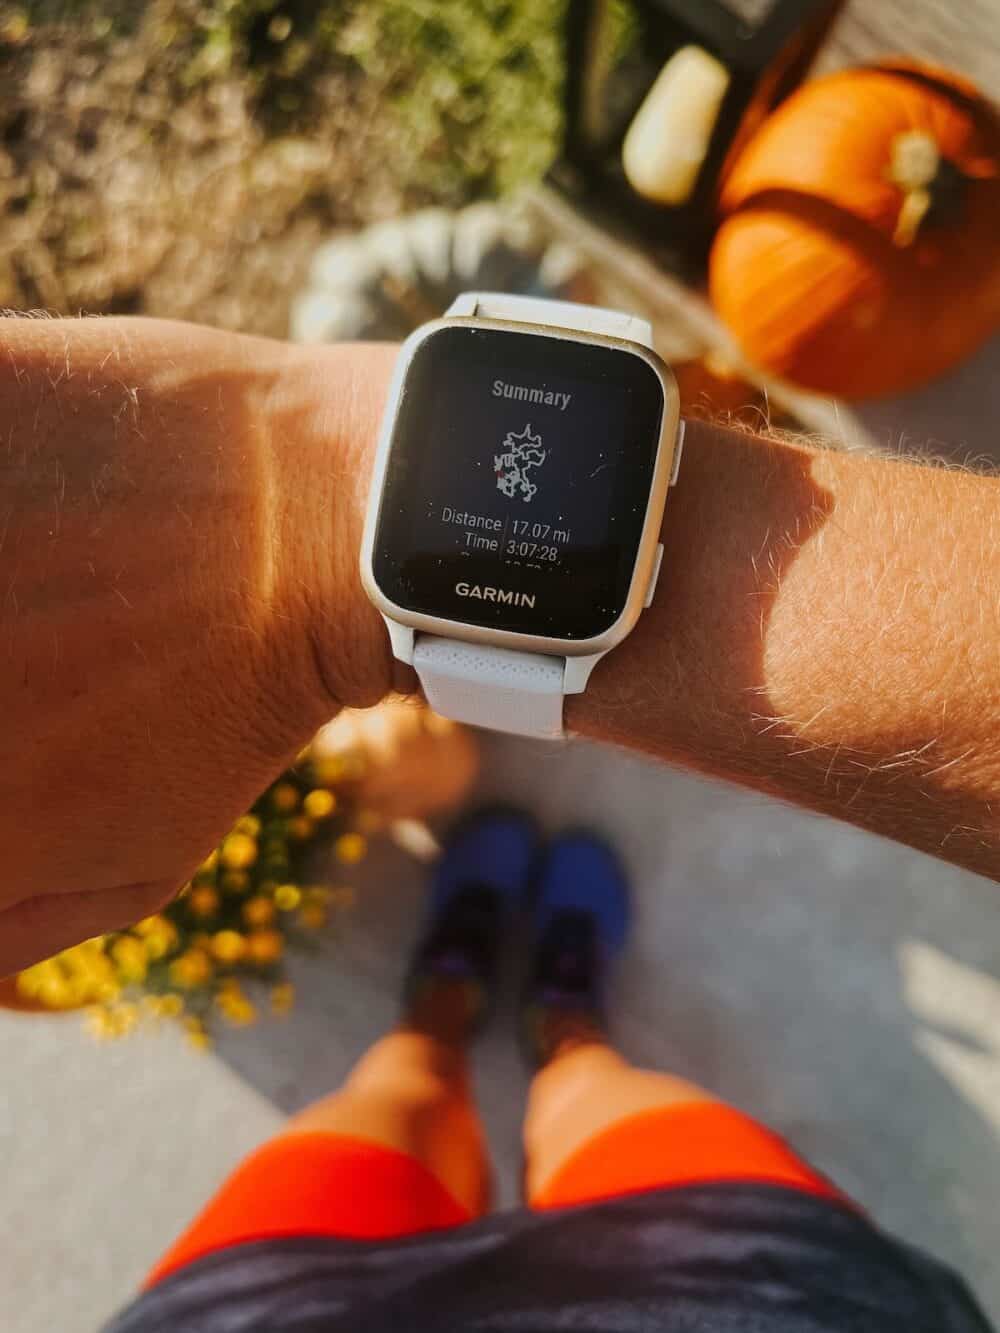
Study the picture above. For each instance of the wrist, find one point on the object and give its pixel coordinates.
(687, 683)
(323, 416)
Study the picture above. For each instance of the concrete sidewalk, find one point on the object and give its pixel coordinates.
(841, 987)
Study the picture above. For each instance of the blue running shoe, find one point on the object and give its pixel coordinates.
(582, 915)
(479, 883)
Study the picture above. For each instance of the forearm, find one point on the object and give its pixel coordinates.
(179, 521)
(827, 630)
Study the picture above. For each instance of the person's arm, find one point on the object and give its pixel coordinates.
(827, 630)
(179, 525)
(180, 607)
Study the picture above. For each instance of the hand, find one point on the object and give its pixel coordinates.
(180, 609)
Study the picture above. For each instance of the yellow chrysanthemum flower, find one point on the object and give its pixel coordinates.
(129, 955)
(265, 946)
(320, 803)
(259, 911)
(196, 1034)
(228, 946)
(287, 897)
(284, 798)
(203, 902)
(350, 848)
(236, 1009)
(238, 852)
(191, 970)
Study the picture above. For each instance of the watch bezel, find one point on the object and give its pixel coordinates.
(666, 446)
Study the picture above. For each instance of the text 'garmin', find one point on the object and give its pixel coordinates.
(487, 594)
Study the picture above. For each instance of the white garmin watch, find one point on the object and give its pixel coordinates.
(512, 535)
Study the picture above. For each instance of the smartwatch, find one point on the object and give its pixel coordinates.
(512, 533)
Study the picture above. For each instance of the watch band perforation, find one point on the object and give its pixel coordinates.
(521, 693)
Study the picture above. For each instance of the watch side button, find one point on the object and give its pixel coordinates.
(651, 589)
(675, 467)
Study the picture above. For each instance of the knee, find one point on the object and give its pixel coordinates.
(410, 1072)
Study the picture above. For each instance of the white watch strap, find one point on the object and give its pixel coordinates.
(520, 693)
(558, 314)
(492, 687)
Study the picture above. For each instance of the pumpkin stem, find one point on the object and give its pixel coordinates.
(929, 182)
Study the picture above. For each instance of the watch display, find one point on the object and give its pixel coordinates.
(518, 481)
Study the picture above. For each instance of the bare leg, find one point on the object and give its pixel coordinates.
(583, 1088)
(410, 1091)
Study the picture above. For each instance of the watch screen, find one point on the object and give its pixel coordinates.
(518, 481)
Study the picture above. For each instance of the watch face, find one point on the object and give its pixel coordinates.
(518, 480)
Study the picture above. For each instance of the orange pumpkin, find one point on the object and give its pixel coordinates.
(859, 252)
